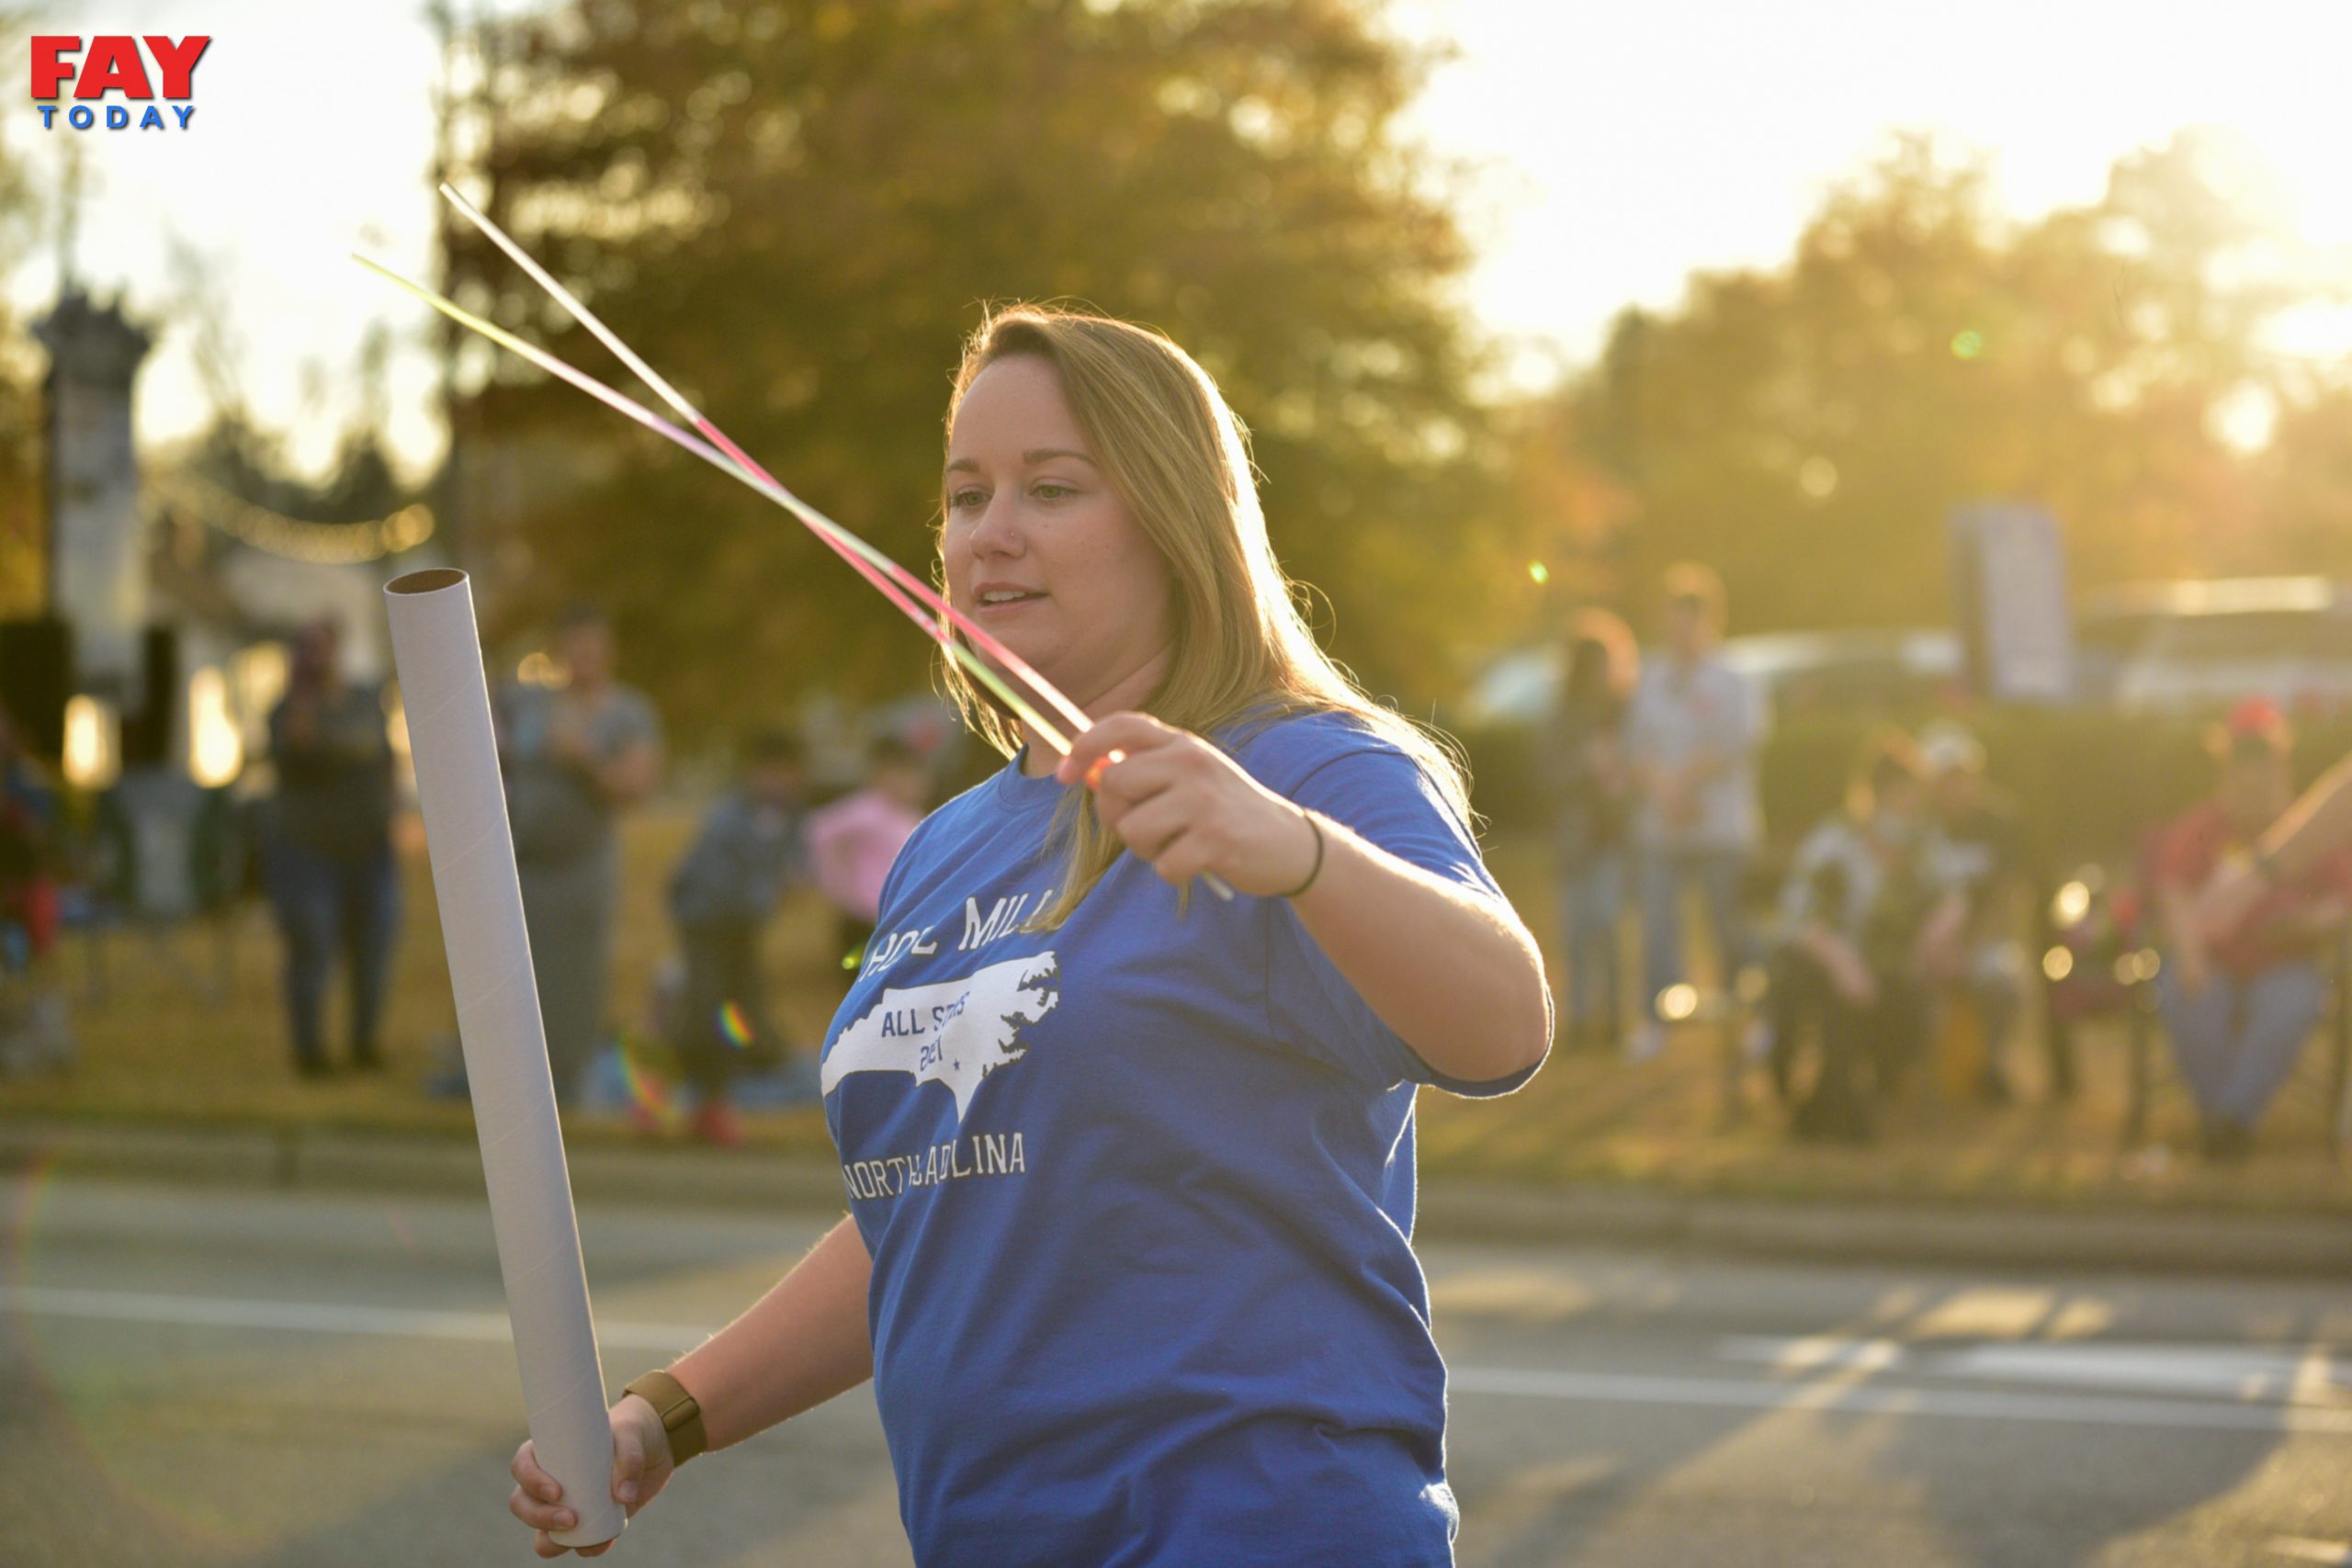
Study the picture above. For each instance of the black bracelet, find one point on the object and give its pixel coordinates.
(1316, 870)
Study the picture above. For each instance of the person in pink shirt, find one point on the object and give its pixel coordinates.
(853, 842)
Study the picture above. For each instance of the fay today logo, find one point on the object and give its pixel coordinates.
(117, 65)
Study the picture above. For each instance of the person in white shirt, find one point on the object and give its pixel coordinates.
(1690, 737)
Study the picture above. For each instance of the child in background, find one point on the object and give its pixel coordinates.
(1853, 908)
(721, 896)
(1977, 860)
(853, 842)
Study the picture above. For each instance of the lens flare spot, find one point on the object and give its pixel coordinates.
(1538, 573)
(2057, 963)
(1967, 344)
(648, 1095)
(1679, 1004)
(734, 1025)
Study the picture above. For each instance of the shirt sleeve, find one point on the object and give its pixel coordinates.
(1381, 795)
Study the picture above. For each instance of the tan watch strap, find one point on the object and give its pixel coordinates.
(681, 1417)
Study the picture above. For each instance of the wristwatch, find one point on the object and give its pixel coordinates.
(681, 1417)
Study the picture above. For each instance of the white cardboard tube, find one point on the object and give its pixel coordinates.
(438, 650)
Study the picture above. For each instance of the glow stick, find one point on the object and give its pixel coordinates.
(832, 533)
(841, 538)
(436, 648)
(845, 544)
(655, 422)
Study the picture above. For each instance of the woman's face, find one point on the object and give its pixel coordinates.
(1039, 548)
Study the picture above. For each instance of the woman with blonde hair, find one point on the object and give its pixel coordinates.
(1130, 1166)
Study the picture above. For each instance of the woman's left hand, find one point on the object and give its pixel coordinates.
(1188, 809)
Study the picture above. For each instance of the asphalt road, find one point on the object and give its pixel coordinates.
(201, 1377)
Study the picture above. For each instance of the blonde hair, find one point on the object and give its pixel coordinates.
(1177, 457)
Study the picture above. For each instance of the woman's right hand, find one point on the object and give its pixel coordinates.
(641, 1468)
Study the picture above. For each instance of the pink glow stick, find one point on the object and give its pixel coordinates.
(662, 427)
(842, 541)
(749, 473)
(1047, 692)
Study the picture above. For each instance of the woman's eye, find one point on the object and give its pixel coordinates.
(1052, 492)
(958, 501)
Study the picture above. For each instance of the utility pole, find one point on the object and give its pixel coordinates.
(69, 212)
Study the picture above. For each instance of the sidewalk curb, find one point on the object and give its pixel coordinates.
(1926, 1231)
(335, 1159)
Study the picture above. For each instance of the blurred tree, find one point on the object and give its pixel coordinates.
(795, 209)
(2307, 481)
(1807, 428)
(1571, 518)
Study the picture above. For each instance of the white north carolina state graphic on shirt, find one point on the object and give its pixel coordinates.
(951, 1032)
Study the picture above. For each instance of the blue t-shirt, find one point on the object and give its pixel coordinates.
(1138, 1191)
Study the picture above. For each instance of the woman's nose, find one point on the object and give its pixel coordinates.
(995, 531)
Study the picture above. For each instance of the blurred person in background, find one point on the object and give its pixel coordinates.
(853, 841)
(575, 755)
(35, 1030)
(1690, 737)
(1976, 861)
(2239, 1004)
(2316, 825)
(25, 786)
(1585, 764)
(1853, 911)
(31, 852)
(721, 896)
(327, 850)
